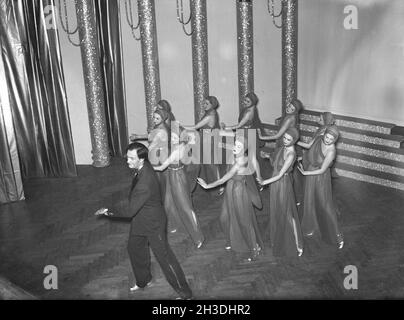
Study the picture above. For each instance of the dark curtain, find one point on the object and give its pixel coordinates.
(33, 68)
(109, 31)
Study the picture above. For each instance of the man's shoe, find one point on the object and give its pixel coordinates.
(199, 244)
(137, 288)
(181, 298)
(183, 295)
(184, 298)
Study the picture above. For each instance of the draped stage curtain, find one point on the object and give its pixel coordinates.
(35, 81)
(11, 188)
(109, 30)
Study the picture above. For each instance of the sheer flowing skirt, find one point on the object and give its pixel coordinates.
(238, 217)
(319, 211)
(178, 205)
(284, 225)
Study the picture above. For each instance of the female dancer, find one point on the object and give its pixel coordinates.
(158, 139)
(326, 120)
(164, 105)
(249, 119)
(209, 121)
(291, 120)
(241, 196)
(284, 226)
(319, 211)
(178, 203)
(158, 134)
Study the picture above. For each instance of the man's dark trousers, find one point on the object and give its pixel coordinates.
(148, 228)
(139, 253)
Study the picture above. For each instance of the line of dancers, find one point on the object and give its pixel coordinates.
(297, 173)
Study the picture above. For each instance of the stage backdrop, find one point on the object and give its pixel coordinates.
(35, 81)
(352, 72)
(175, 59)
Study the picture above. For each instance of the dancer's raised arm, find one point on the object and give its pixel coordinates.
(288, 162)
(199, 125)
(257, 169)
(173, 158)
(285, 126)
(329, 158)
(135, 136)
(221, 181)
(241, 124)
(305, 145)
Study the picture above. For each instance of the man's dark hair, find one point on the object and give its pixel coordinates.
(141, 150)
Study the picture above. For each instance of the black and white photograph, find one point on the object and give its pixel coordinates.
(201, 150)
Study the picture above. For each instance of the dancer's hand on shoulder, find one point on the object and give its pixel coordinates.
(265, 155)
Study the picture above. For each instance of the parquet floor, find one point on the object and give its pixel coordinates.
(56, 226)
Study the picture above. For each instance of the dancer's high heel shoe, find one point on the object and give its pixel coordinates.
(299, 252)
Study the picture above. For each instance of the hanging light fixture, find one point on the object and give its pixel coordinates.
(129, 19)
(65, 25)
(180, 17)
(271, 11)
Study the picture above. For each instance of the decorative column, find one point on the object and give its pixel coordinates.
(245, 49)
(150, 58)
(289, 52)
(199, 55)
(93, 82)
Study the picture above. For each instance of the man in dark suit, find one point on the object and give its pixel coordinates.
(148, 225)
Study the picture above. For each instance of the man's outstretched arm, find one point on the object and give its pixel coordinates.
(130, 208)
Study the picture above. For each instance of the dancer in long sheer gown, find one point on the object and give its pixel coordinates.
(177, 202)
(291, 120)
(241, 197)
(249, 119)
(319, 211)
(326, 119)
(210, 121)
(284, 225)
(158, 142)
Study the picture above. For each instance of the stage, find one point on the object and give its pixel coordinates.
(55, 225)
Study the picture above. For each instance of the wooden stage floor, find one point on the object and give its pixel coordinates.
(56, 226)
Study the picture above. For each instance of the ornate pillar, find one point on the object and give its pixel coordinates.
(289, 52)
(245, 49)
(93, 82)
(199, 55)
(150, 58)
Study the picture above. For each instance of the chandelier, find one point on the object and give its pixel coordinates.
(65, 24)
(180, 17)
(271, 11)
(129, 19)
